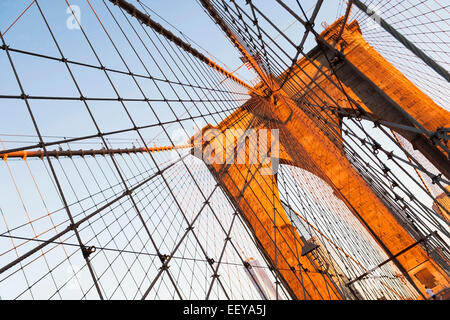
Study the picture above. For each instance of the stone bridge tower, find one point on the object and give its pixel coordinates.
(380, 90)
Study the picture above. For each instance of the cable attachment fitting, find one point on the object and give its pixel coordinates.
(163, 257)
(87, 251)
(376, 147)
(436, 178)
(309, 25)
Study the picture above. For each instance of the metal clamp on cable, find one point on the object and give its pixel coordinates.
(87, 251)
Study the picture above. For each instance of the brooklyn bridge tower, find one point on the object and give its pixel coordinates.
(328, 178)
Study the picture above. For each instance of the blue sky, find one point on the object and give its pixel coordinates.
(47, 78)
(69, 118)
